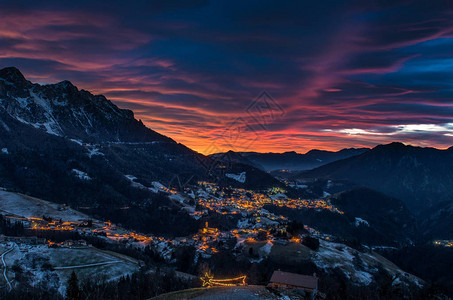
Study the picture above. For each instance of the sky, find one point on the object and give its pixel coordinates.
(266, 76)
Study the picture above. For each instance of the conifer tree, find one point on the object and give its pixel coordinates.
(73, 291)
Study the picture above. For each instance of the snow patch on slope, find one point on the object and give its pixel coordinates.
(358, 267)
(81, 175)
(238, 177)
(26, 206)
(360, 221)
(5, 126)
(93, 150)
(77, 141)
(266, 249)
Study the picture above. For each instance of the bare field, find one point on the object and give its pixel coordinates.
(292, 253)
(87, 262)
(26, 206)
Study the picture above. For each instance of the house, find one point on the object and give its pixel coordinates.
(307, 283)
(281, 242)
(33, 240)
(74, 244)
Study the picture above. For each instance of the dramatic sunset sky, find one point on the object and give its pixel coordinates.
(339, 74)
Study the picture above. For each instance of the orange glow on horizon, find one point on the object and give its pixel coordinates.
(201, 141)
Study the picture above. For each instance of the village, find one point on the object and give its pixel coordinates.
(443, 243)
(254, 222)
(254, 234)
(240, 200)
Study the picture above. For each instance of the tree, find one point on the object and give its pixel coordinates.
(185, 257)
(296, 228)
(262, 235)
(73, 291)
(311, 242)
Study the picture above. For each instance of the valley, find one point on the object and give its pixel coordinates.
(254, 235)
(92, 199)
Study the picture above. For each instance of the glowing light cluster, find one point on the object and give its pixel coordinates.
(444, 243)
(242, 200)
(209, 281)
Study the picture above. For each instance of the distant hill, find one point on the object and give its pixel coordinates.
(382, 216)
(421, 177)
(438, 222)
(369, 217)
(235, 157)
(290, 160)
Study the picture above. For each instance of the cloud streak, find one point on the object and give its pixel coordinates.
(345, 74)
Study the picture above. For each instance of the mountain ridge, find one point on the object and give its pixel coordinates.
(62, 109)
(420, 176)
(292, 160)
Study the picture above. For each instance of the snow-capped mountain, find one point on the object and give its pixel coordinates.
(62, 109)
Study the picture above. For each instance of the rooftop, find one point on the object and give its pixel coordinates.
(293, 279)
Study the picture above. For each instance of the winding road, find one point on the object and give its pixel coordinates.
(88, 265)
(4, 265)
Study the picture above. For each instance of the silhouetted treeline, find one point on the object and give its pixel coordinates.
(139, 286)
(9, 228)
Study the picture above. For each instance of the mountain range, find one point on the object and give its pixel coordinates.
(421, 177)
(291, 161)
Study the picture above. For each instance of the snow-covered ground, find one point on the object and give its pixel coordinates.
(278, 196)
(298, 186)
(238, 177)
(26, 206)
(81, 175)
(360, 221)
(86, 262)
(177, 198)
(93, 150)
(266, 249)
(77, 141)
(131, 177)
(358, 267)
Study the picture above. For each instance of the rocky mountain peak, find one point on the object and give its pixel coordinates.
(12, 75)
(64, 110)
(66, 85)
